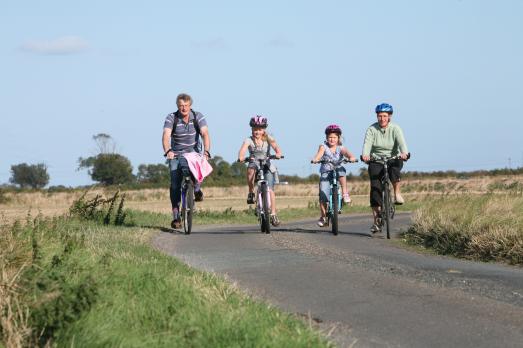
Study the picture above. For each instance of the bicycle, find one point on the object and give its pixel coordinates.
(387, 208)
(262, 194)
(187, 204)
(187, 201)
(335, 202)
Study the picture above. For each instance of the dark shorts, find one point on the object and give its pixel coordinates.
(375, 174)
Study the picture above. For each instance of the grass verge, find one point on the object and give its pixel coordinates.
(488, 227)
(77, 282)
(228, 216)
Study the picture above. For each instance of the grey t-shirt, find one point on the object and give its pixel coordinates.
(184, 137)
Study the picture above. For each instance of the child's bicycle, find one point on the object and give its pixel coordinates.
(262, 194)
(335, 202)
(387, 209)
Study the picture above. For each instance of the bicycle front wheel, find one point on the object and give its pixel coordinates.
(386, 207)
(335, 209)
(266, 210)
(189, 207)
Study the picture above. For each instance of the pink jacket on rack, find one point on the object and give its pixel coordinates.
(198, 165)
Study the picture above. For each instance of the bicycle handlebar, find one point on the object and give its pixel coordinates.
(248, 159)
(334, 162)
(386, 159)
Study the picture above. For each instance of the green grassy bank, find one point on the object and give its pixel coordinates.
(485, 227)
(76, 282)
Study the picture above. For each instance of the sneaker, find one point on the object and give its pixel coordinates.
(322, 222)
(346, 199)
(274, 220)
(250, 198)
(399, 199)
(375, 228)
(176, 224)
(198, 196)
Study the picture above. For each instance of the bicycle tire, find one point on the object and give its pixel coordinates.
(189, 207)
(386, 208)
(266, 215)
(335, 209)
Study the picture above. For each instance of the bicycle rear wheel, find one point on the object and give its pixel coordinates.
(386, 208)
(266, 211)
(189, 207)
(335, 209)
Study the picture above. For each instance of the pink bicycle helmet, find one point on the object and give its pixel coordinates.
(333, 128)
(258, 121)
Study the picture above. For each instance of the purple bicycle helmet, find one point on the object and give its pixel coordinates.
(333, 128)
(258, 121)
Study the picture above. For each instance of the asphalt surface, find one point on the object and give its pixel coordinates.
(363, 291)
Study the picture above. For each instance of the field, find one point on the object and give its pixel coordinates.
(219, 199)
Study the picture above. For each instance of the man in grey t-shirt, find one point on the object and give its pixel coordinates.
(181, 132)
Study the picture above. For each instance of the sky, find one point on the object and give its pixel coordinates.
(452, 69)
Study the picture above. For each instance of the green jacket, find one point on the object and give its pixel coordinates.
(384, 141)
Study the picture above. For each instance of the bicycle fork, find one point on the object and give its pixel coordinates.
(260, 198)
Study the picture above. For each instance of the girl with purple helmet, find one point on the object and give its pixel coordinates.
(331, 149)
(259, 145)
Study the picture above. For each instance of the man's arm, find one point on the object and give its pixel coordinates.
(166, 142)
(204, 131)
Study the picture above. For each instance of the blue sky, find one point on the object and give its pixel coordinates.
(451, 69)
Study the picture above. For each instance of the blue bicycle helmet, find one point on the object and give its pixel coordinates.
(384, 107)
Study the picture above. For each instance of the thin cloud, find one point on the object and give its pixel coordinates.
(280, 42)
(61, 46)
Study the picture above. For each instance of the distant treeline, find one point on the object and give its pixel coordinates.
(227, 174)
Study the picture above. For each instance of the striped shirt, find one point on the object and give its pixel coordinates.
(184, 137)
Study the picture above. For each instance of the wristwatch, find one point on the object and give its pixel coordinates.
(167, 152)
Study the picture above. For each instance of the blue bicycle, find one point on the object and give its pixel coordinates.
(335, 202)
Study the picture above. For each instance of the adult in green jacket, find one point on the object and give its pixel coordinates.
(384, 138)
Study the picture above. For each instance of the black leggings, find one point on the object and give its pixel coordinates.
(376, 173)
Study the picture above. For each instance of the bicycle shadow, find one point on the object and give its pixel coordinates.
(322, 231)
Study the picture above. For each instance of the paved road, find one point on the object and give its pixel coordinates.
(362, 291)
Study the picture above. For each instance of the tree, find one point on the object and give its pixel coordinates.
(108, 167)
(153, 173)
(112, 169)
(34, 175)
(104, 143)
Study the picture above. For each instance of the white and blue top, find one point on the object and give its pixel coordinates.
(329, 155)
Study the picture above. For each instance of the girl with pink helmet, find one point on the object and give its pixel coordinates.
(259, 145)
(331, 149)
